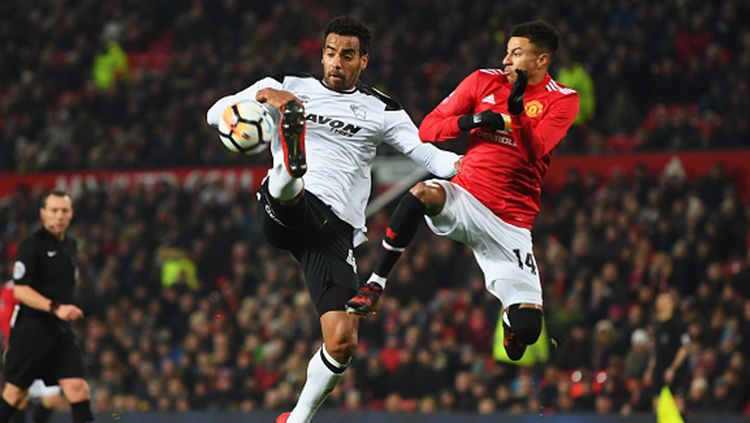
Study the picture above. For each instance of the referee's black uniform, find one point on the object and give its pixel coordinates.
(43, 346)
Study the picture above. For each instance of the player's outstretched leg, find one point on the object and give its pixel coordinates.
(292, 131)
(285, 184)
(422, 199)
(366, 301)
(521, 327)
(401, 230)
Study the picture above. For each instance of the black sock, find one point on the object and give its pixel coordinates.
(6, 411)
(401, 230)
(41, 414)
(81, 412)
(526, 323)
(18, 417)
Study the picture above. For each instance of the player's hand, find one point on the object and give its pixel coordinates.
(68, 312)
(515, 99)
(276, 98)
(486, 119)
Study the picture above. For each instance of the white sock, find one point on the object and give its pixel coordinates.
(320, 382)
(282, 186)
(377, 279)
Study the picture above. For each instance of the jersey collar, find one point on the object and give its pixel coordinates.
(541, 85)
(48, 236)
(352, 91)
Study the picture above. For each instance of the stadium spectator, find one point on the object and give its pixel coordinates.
(176, 67)
(274, 336)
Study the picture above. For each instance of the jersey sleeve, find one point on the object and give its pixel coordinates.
(401, 133)
(540, 140)
(214, 113)
(26, 266)
(441, 123)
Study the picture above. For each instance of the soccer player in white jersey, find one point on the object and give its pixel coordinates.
(314, 197)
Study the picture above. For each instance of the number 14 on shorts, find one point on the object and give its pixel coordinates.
(529, 261)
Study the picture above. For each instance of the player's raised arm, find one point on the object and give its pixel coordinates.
(402, 134)
(442, 123)
(214, 113)
(276, 98)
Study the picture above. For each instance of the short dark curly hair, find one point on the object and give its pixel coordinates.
(348, 25)
(540, 33)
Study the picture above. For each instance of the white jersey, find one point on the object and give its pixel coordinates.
(343, 132)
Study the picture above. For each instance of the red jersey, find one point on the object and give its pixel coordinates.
(504, 169)
(8, 303)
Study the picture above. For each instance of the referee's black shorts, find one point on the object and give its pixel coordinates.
(321, 242)
(41, 347)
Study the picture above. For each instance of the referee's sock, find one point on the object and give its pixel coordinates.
(41, 414)
(6, 411)
(18, 417)
(81, 412)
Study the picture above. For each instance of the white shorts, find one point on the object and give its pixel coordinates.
(504, 252)
(39, 390)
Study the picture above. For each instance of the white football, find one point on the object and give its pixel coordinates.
(246, 127)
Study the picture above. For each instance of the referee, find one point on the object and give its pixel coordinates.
(42, 344)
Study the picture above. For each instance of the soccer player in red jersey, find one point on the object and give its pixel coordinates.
(516, 116)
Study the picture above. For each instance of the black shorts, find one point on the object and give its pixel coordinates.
(41, 347)
(320, 241)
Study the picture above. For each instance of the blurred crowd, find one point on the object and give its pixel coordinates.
(122, 84)
(237, 333)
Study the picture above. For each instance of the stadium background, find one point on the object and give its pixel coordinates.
(188, 309)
